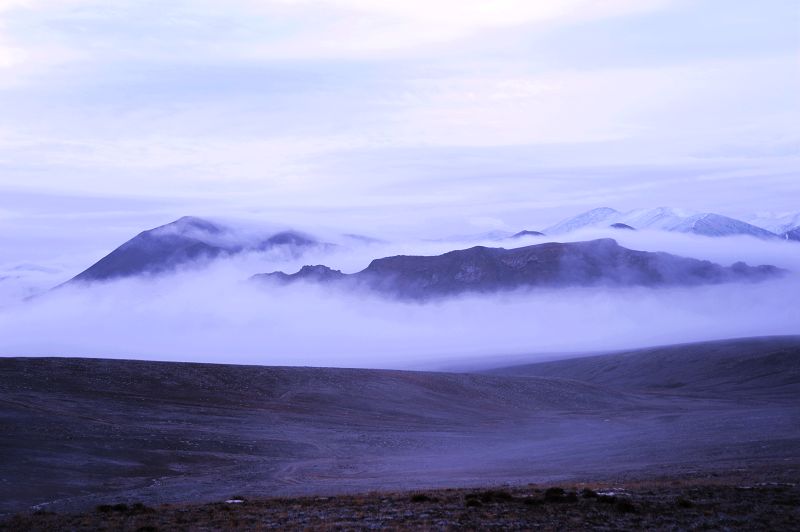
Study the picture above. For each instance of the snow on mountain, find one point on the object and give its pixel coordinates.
(601, 216)
(777, 223)
(664, 219)
(710, 224)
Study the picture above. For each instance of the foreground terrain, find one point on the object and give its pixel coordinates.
(709, 501)
(79, 433)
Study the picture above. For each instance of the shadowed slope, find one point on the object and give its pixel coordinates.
(747, 367)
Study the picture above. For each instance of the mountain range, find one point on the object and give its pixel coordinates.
(777, 223)
(185, 241)
(600, 262)
(764, 226)
(670, 219)
(192, 241)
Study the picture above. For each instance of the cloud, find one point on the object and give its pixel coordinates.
(362, 28)
(213, 315)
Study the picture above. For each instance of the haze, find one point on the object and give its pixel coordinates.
(214, 314)
(407, 122)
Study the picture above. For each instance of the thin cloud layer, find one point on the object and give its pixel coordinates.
(349, 103)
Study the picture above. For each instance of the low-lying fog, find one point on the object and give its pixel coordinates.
(214, 314)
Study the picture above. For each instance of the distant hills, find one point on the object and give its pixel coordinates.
(786, 227)
(780, 224)
(662, 218)
(188, 240)
(482, 269)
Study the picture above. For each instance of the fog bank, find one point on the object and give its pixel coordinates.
(214, 314)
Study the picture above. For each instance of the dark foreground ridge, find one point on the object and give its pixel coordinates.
(481, 269)
(78, 433)
(746, 500)
(188, 240)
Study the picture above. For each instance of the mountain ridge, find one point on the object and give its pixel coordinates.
(662, 218)
(187, 240)
(600, 262)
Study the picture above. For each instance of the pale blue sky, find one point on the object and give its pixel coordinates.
(422, 116)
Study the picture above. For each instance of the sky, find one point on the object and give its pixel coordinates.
(383, 117)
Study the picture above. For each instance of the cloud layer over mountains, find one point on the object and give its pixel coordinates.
(212, 313)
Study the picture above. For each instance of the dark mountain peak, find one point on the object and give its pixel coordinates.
(621, 225)
(158, 250)
(186, 241)
(601, 262)
(526, 232)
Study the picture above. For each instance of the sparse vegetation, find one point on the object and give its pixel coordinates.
(588, 493)
(657, 505)
(557, 494)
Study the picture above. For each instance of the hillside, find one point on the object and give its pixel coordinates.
(82, 432)
(746, 367)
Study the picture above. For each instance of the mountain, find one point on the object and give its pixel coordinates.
(526, 232)
(710, 224)
(794, 234)
(592, 218)
(662, 218)
(185, 241)
(481, 269)
(776, 223)
(620, 225)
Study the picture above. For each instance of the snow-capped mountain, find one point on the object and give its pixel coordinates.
(600, 217)
(777, 223)
(664, 219)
